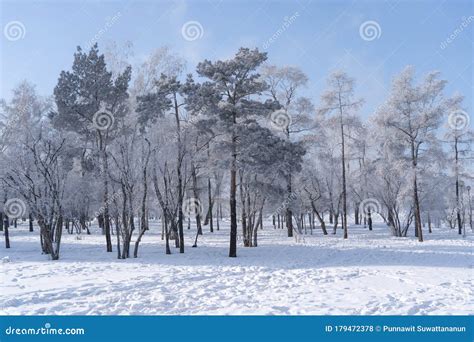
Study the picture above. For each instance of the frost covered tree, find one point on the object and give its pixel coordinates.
(388, 182)
(264, 162)
(294, 116)
(40, 177)
(459, 138)
(237, 85)
(339, 100)
(91, 103)
(166, 98)
(413, 113)
(21, 117)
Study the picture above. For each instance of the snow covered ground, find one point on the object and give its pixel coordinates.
(370, 273)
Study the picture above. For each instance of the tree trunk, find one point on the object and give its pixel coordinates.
(58, 235)
(167, 236)
(6, 232)
(336, 221)
(210, 205)
(259, 224)
(289, 214)
(233, 203)
(108, 239)
(356, 214)
(196, 196)
(458, 206)
(418, 228)
(180, 177)
(417, 211)
(429, 223)
(320, 219)
(144, 221)
(117, 233)
(139, 238)
(344, 190)
(100, 222)
(369, 218)
(243, 213)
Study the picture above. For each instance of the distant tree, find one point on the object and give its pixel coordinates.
(284, 84)
(339, 99)
(460, 138)
(20, 119)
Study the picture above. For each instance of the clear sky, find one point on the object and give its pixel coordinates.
(317, 36)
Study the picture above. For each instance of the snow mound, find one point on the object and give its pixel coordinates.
(370, 273)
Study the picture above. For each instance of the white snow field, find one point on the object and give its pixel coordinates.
(370, 273)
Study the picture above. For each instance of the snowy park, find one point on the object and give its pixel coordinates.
(372, 273)
(236, 158)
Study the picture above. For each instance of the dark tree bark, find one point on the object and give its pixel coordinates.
(336, 222)
(30, 222)
(196, 196)
(369, 218)
(6, 232)
(210, 205)
(344, 188)
(105, 171)
(458, 205)
(429, 223)
(143, 219)
(243, 212)
(232, 196)
(289, 213)
(180, 177)
(320, 219)
(356, 214)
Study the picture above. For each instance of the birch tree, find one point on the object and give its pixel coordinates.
(413, 114)
(339, 100)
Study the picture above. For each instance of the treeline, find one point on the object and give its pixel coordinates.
(235, 139)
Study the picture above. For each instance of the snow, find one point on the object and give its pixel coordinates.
(370, 273)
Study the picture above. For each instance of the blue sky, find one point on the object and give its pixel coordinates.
(321, 36)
